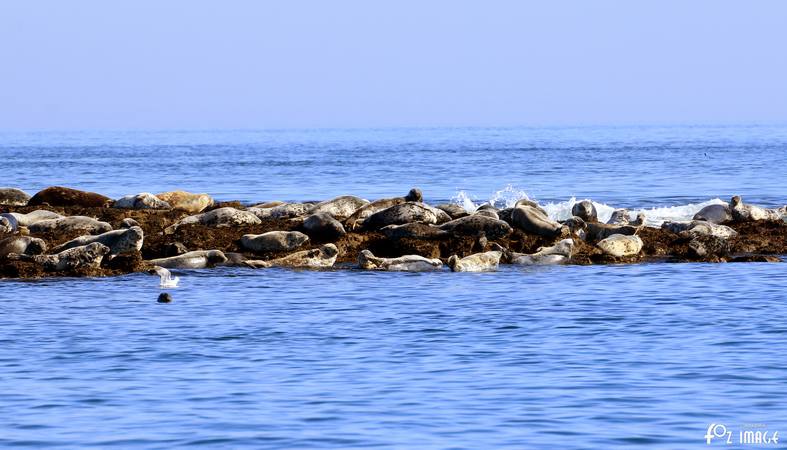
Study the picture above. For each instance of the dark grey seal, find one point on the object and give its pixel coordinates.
(414, 230)
(533, 220)
(323, 227)
(585, 210)
(717, 214)
(477, 225)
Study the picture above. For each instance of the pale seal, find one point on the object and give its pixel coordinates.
(368, 209)
(71, 223)
(598, 231)
(87, 256)
(585, 210)
(323, 227)
(407, 263)
(405, 213)
(22, 245)
(198, 259)
(742, 212)
(559, 253)
(532, 220)
(273, 241)
(285, 211)
(186, 201)
(316, 258)
(218, 218)
(143, 200)
(25, 220)
(63, 196)
(479, 262)
(414, 230)
(340, 207)
(477, 225)
(619, 245)
(120, 242)
(714, 213)
(13, 197)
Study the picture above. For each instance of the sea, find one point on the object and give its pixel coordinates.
(655, 355)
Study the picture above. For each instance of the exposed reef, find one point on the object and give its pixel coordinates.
(65, 232)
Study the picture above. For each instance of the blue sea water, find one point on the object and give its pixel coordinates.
(561, 357)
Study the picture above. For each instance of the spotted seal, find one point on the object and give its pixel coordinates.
(186, 201)
(13, 197)
(120, 242)
(8, 223)
(87, 256)
(700, 227)
(585, 210)
(218, 218)
(22, 245)
(143, 200)
(368, 209)
(477, 225)
(340, 207)
(316, 258)
(414, 230)
(407, 263)
(198, 259)
(559, 253)
(742, 212)
(273, 241)
(405, 213)
(71, 223)
(478, 262)
(619, 245)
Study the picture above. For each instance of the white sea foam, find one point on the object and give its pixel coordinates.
(654, 217)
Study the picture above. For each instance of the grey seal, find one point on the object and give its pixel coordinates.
(273, 241)
(619, 245)
(414, 230)
(143, 200)
(340, 207)
(619, 217)
(219, 218)
(533, 220)
(13, 197)
(488, 212)
(576, 225)
(407, 263)
(477, 225)
(23, 245)
(714, 213)
(368, 209)
(71, 223)
(478, 262)
(700, 227)
(405, 213)
(86, 256)
(316, 258)
(128, 222)
(198, 259)
(453, 210)
(585, 210)
(559, 253)
(742, 212)
(323, 227)
(120, 242)
(285, 211)
(186, 201)
(598, 231)
(532, 204)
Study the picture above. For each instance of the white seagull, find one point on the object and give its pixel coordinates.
(167, 281)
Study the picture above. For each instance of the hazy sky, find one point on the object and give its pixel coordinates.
(258, 64)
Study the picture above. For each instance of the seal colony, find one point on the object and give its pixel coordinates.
(66, 232)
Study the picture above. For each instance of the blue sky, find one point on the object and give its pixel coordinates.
(257, 64)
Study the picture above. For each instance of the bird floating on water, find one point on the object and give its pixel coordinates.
(167, 280)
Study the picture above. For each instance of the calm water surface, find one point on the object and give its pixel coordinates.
(561, 357)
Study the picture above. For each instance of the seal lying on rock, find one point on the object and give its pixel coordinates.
(143, 200)
(13, 197)
(577, 226)
(273, 241)
(87, 256)
(317, 258)
(219, 218)
(487, 212)
(559, 253)
(340, 207)
(532, 204)
(619, 245)
(619, 217)
(120, 242)
(714, 213)
(63, 196)
(585, 210)
(68, 224)
(323, 227)
(22, 245)
(8, 224)
(405, 213)
(479, 262)
(700, 227)
(368, 209)
(414, 230)
(453, 210)
(599, 231)
(407, 263)
(186, 201)
(25, 220)
(744, 213)
(198, 259)
(285, 211)
(477, 225)
(533, 220)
